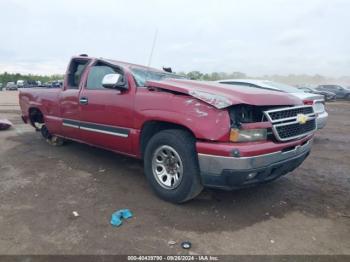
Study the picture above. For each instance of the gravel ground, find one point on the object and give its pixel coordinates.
(305, 212)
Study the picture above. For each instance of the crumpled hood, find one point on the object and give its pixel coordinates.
(221, 95)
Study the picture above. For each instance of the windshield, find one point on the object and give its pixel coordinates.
(141, 76)
(282, 87)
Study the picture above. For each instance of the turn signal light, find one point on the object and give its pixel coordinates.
(308, 102)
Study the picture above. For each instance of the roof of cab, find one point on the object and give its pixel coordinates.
(118, 63)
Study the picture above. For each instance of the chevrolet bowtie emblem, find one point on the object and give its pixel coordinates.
(302, 119)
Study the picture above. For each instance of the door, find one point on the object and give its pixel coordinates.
(69, 98)
(106, 114)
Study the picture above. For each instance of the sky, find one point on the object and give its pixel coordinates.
(256, 37)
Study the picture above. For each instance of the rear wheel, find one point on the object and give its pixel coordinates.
(171, 166)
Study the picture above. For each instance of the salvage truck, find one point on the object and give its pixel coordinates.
(190, 134)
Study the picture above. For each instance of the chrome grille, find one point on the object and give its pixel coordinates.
(290, 113)
(286, 124)
(295, 130)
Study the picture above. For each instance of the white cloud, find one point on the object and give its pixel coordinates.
(253, 36)
(292, 37)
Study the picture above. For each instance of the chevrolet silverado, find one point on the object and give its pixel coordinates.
(190, 134)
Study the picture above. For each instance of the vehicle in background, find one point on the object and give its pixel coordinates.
(11, 86)
(54, 84)
(58, 83)
(339, 91)
(20, 83)
(0, 86)
(26, 83)
(328, 96)
(31, 83)
(317, 101)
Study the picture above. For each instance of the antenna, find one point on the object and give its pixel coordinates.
(153, 45)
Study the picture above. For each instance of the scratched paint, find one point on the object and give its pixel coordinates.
(201, 113)
(189, 101)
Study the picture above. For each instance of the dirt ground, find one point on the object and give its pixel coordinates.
(305, 212)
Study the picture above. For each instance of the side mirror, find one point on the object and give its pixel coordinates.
(114, 81)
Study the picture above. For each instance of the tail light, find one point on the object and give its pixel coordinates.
(318, 105)
(308, 102)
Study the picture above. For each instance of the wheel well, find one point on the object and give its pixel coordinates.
(150, 128)
(35, 116)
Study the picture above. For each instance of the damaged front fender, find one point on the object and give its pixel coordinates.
(215, 100)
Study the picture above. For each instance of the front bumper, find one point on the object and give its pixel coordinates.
(236, 172)
(321, 120)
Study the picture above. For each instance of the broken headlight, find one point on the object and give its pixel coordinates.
(248, 135)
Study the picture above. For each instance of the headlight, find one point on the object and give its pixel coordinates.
(249, 135)
(319, 107)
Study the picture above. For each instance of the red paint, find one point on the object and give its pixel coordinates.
(133, 108)
(247, 149)
(257, 125)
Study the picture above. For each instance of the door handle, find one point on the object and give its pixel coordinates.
(83, 101)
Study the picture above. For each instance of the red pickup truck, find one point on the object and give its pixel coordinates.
(190, 134)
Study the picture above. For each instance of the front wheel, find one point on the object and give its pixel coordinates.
(171, 166)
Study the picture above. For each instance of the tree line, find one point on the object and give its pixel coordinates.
(292, 79)
(13, 77)
(197, 75)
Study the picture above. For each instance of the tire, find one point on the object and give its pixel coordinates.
(51, 139)
(182, 182)
(45, 132)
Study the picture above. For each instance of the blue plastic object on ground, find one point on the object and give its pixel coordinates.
(118, 216)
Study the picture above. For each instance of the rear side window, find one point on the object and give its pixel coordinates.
(96, 75)
(76, 70)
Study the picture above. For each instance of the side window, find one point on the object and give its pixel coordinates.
(96, 74)
(76, 69)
